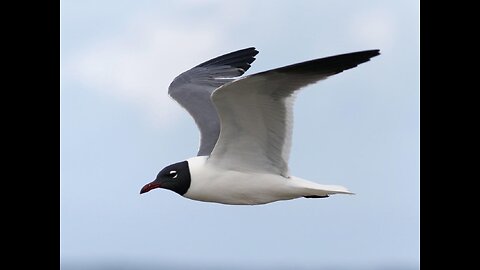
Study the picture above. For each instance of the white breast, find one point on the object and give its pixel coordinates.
(212, 184)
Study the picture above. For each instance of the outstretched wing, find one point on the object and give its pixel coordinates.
(256, 113)
(193, 88)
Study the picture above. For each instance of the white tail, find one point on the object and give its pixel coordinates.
(315, 189)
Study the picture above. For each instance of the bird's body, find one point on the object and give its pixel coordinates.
(246, 129)
(211, 184)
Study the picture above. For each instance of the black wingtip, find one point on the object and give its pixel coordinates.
(332, 64)
(239, 59)
(375, 52)
(371, 53)
(358, 56)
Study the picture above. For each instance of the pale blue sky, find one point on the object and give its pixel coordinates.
(359, 129)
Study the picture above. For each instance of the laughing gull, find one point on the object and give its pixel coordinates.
(246, 129)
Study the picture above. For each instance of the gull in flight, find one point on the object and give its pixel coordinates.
(246, 129)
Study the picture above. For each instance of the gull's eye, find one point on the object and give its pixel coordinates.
(173, 174)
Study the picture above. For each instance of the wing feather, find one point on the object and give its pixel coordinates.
(193, 88)
(256, 113)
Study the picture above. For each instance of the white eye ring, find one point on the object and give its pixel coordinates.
(174, 173)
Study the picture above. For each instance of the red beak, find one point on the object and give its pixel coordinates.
(149, 187)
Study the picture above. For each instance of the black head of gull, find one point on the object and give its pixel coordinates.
(175, 177)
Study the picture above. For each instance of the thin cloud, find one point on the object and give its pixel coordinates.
(374, 28)
(138, 65)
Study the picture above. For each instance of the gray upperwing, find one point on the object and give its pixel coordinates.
(193, 88)
(257, 113)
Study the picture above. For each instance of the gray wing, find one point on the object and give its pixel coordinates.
(256, 113)
(193, 88)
